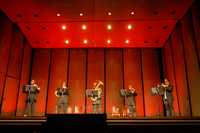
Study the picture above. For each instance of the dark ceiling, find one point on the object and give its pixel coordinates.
(41, 21)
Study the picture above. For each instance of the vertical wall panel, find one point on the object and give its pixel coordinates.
(180, 72)
(40, 72)
(151, 77)
(170, 75)
(58, 73)
(15, 60)
(95, 71)
(5, 41)
(2, 80)
(25, 75)
(10, 96)
(193, 71)
(133, 76)
(13, 74)
(77, 78)
(114, 79)
(196, 26)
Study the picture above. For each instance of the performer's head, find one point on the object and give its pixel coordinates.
(166, 81)
(64, 85)
(95, 83)
(32, 81)
(130, 86)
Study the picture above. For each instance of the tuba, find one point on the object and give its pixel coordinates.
(99, 92)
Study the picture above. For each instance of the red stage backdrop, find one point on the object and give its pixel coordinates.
(13, 73)
(133, 75)
(118, 68)
(58, 74)
(95, 71)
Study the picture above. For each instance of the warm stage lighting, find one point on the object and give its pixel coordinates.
(129, 27)
(84, 27)
(81, 14)
(109, 27)
(66, 41)
(109, 13)
(108, 41)
(127, 41)
(85, 41)
(132, 13)
(58, 14)
(64, 27)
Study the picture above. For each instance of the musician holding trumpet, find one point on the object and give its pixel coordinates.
(97, 98)
(62, 98)
(31, 90)
(167, 97)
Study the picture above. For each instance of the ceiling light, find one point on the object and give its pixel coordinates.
(64, 27)
(129, 27)
(85, 41)
(84, 27)
(127, 41)
(132, 13)
(108, 41)
(109, 27)
(66, 41)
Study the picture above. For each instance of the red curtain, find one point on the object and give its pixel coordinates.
(58, 74)
(151, 77)
(95, 71)
(180, 72)
(192, 66)
(169, 73)
(25, 75)
(40, 73)
(114, 79)
(77, 79)
(133, 76)
(13, 74)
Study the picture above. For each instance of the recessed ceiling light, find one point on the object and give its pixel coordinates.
(35, 15)
(108, 41)
(28, 27)
(47, 42)
(64, 27)
(84, 27)
(85, 41)
(155, 12)
(81, 14)
(127, 41)
(58, 14)
(109, 27)
(66, 41)
(132, 12)
(129, 27)
(109, 13)
(19, 15)
(149, 27)
(165, 27)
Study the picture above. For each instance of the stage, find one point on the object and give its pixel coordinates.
(98, 123)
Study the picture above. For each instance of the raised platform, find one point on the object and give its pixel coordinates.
(99, 123)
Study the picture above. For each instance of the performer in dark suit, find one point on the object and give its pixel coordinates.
(168, 98)
(130, 96)
(97, 99)
(62, 98)
(31, 90)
